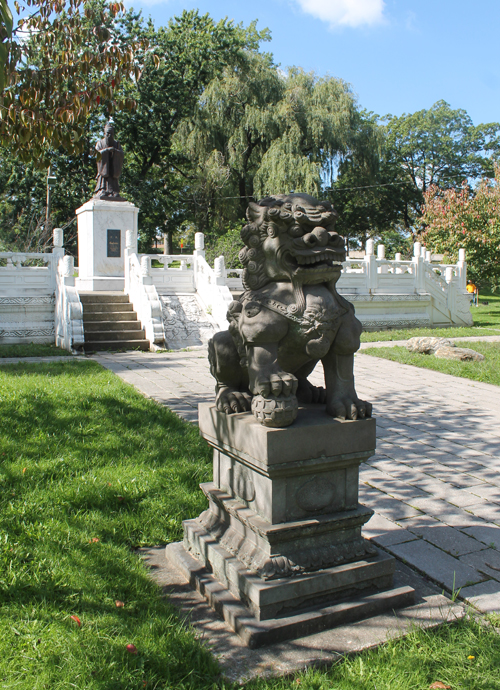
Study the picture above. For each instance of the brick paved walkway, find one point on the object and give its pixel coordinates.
(435, 481)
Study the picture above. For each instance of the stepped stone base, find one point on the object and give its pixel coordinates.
(299, 623)
(279, 552)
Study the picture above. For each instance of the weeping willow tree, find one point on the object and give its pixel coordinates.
(257, 131)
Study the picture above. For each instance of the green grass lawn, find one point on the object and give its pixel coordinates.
(90, 469)
(487, 371)
(486, 322)
(32, 350)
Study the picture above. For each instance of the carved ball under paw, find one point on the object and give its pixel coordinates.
(275, 412)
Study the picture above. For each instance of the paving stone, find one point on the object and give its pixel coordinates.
(490, 475)
(445, 512)
(487, 534)
(440, 566)
(389, 507)
(395, 488)
(461, 498)
(485, 596)
(463, 481)
(446, 538)
(418, 521)
(488, 511)
(486, 561)
(486, 491)
(385, 532)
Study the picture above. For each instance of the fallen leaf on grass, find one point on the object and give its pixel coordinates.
(77, 620)
(24, 469)
(131, 649)
(119, 604)
(439, 686)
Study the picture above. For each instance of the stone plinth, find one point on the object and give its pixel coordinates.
(281, 539)
(101, 243)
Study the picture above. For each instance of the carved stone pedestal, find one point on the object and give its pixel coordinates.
(279, 552)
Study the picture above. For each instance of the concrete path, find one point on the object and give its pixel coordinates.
(435, 481)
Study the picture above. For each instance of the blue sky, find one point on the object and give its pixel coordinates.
(398, 55)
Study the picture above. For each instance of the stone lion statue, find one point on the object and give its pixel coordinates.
(289, 317)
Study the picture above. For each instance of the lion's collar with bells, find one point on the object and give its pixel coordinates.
(313, 319)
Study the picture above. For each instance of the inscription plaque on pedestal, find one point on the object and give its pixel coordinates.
(114, 243)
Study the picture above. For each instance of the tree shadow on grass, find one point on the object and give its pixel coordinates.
(88, 469)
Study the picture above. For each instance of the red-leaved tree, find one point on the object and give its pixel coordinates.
(470, 219)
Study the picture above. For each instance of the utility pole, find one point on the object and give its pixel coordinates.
(51, 180)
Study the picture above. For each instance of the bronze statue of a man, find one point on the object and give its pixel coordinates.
(109, 166)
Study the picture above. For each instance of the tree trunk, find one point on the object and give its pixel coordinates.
(170, 242)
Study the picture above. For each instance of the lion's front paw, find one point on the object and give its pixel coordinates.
(279, 383)
(349, 408)
(231, 401)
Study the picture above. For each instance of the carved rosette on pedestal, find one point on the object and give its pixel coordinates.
(279, 552)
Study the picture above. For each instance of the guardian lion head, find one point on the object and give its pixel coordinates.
(292, 238)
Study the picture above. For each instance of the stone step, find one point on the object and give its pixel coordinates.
(99, 308)
(106, 326)
(110, 323)
(99, 346)
(108, 316)
(129, 334)
(103, 297)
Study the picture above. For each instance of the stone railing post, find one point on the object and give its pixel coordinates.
(418, 262)
(145, 266)
(130, 248)
(58, 238)
(220, 271)
(462, 269)
(371, 266)
(428, 256)
(68, 266)
(199, 253)
(397, 258)
(130, 241)
(381, 255)
(57, 252)
(199, 244)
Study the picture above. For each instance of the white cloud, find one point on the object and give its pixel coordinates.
(345, 12)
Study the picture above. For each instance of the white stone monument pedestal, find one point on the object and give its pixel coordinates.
(101, 243)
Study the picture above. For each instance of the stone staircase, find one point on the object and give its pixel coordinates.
(110, 323)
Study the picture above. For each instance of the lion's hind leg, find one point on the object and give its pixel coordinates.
(306, 392)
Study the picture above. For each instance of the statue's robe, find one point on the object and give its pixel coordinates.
(109, 168)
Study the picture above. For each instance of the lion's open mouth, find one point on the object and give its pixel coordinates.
(318, 260)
